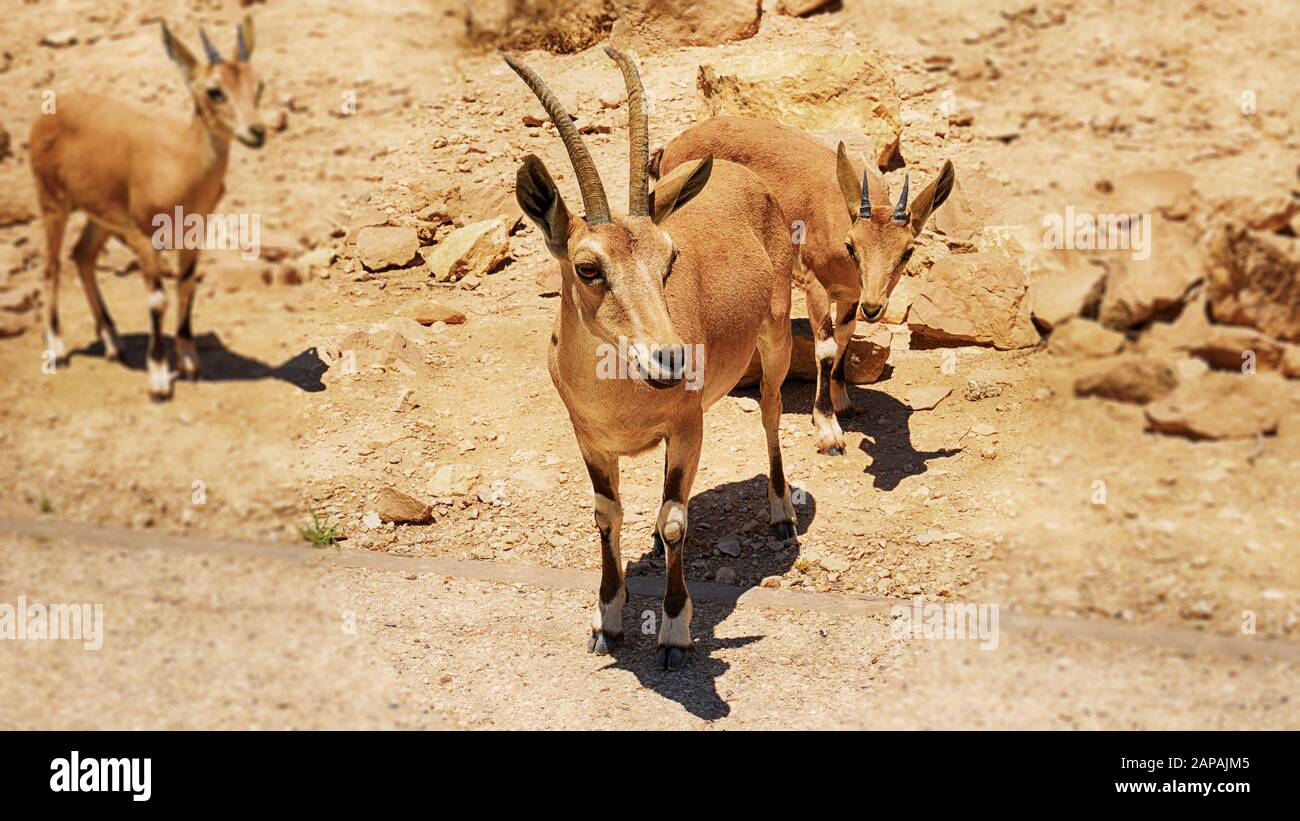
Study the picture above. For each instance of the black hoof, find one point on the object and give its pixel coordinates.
(659, 545)
(671, 658)
(158, 397)
(835, 451)
(602, 643)
(782, 530)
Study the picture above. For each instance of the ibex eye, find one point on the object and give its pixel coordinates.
(216, 95)
(588, 272)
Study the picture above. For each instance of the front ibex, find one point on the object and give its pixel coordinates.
(692, 279)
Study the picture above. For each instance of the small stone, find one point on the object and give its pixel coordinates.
(729, 546)
(395, 506)
(382, 247)
(747, 404)
(725, 575)
(927, 398)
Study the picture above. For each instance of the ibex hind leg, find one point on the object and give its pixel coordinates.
(54, 217)
(774, 352)
(85, 254)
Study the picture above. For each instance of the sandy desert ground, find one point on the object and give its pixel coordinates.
(1172, 599)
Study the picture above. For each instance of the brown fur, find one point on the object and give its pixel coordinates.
(821, 189)
(123, 166)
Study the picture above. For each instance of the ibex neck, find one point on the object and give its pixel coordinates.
(213, 148)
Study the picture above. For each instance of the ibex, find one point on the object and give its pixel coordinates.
(856, 244)
(702, 264)
(124, 168)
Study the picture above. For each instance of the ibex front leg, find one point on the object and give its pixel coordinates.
(683, 457)
(151, 265)
(607, 621)
(830, 438)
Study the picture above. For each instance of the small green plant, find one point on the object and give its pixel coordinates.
(46, 505)
(320, 532)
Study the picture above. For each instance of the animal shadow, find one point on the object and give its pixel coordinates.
(221, 364)
(714, 513)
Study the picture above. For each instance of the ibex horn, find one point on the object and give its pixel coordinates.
(593, 193)
(900, 211)
(214, 56)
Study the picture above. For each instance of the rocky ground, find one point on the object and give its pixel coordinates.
(1099, 452)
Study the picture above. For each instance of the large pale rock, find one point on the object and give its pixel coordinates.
(867, 354)
(473, 250)
(395, 506)
(1138, 290)
(1253, 278)
(1063, 294)
(652, 24)
(1130, 377)
(1083, 338)
(803, 8)
(974, 298)
(558, 26)
(380, 248)
(1222, 405)
(842, 90)
(452, 480)
(1167, 191)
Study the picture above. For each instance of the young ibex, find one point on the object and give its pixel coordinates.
(856, 244)
(701, 264)
(123, 168)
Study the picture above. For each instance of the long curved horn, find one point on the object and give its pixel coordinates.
(243, 47)
(593, 193)
(214, 56)
(864, 207)
(900, 210)
(638, 135)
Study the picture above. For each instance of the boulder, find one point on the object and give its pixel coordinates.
(1167, 191)
(1063, 294)
(653, 24)
(867, 353)
(474, 250)
(1222, 406)
(803, 8)
(1083, 338)
(427, 313)
(396, 506)
(1130, 377)
(974, 298)
(1253, 278)
(557, 26)
(1139, 290)
(843, 90)
(380, 248)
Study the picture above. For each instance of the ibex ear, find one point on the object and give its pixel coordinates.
(850, 184)
(931, 197)
(244, 40)
(537, 195)
(679, 187)
(179, 54)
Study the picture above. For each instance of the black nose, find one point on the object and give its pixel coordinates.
(671, 362)
(258, 133)
(870, 313)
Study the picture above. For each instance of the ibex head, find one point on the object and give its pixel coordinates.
(226, 93)
(880, 240)
(613, 267)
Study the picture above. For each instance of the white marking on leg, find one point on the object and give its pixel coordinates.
(676, 631)
(157, 299)
(609, 615)
(160, 378)
(825, 349)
